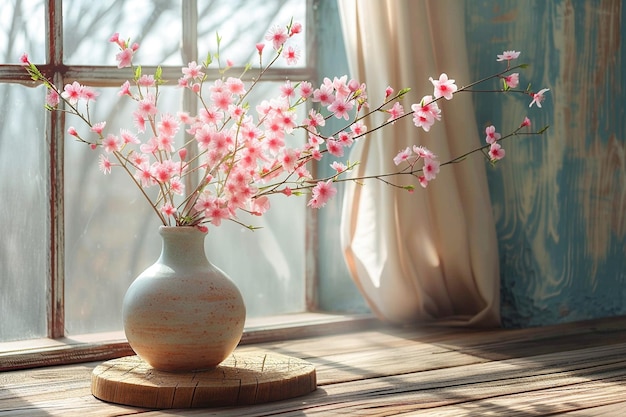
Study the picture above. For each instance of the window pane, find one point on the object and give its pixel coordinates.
(112, 234)
(240, 33)
(23, 249)
(155, 24)
(22, 29)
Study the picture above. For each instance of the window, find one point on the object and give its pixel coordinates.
(74, 239)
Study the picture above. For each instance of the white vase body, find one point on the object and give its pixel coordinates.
(183, 313)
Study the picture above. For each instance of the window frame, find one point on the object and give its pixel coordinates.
(57, 348)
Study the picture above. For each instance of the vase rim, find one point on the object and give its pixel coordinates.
(179, 229)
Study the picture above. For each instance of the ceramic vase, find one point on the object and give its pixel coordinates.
(183, 313)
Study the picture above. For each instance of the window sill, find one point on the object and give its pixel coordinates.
(103, 346)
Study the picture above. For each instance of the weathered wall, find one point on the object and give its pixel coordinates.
(560, 201)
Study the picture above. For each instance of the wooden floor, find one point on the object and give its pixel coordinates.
(572, 370)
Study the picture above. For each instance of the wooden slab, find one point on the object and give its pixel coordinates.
(243, 378)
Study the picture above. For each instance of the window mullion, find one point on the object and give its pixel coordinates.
(189, 52)
(54, 140)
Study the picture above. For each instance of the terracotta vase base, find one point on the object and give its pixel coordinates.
(242, 379)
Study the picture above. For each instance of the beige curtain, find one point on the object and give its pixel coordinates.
(431, 255)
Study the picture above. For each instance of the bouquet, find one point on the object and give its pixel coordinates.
(238, 156)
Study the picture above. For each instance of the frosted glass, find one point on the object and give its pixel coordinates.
(155, 25)
(22, 29)
(23, 231)
(243, 23)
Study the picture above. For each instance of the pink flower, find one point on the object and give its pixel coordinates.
(125, 90)
(306, 89)
(277, 35)
(168, 209)
(492, 135)
(324, 95)
(444, 87)
(395, 112)
(52, 98)
(296, 28)
(104, 164)
(431, 169)
(287, 90)
(168, 125)
(512, 80)
(321, 193)
(24, 59)
(334, 148)
(358, 128)
(111, 143)
(538, 97)
(115, 38)
(124, 58)
(260, 205)
(423, 152)
(146, 80)
(388, 92)
(88, 93)
(340, 109)
(508, 55)
(526, 122)
(496, 152)
(404, 155)
(291, 55)
(72, 92)
(72, 131)
(98, 127)
(235, 86)
(147, 106)
(128, 137)
(339, 167)
(259, 47)
(192, 71)
(426, 113)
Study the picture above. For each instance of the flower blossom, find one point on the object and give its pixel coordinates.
(321, 194)
(512, 80)
(538, 97)
(426, 113)
(508, 55)
(339, 167)
(341, 108)
(192, 71)
(291, 55)
(492, 135)
(444, 87)
(124, 58)
(52, 98)
(496, 151)
(278, 36)
(395, 112)
(104, 164)
(72, 92)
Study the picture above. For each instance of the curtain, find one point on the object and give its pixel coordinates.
(430, 255)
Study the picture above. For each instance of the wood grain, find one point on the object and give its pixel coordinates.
(576, 369)
(243, 378)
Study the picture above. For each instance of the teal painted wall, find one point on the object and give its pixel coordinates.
(560, 201)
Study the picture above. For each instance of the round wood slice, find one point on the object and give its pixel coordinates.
(243, 378)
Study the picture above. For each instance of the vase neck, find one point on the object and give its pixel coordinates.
(183, 244)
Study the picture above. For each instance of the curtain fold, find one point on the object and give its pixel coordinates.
(430, 255)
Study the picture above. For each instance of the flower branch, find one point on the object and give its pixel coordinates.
(244, 153)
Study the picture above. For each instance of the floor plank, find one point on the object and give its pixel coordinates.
(576, 370)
